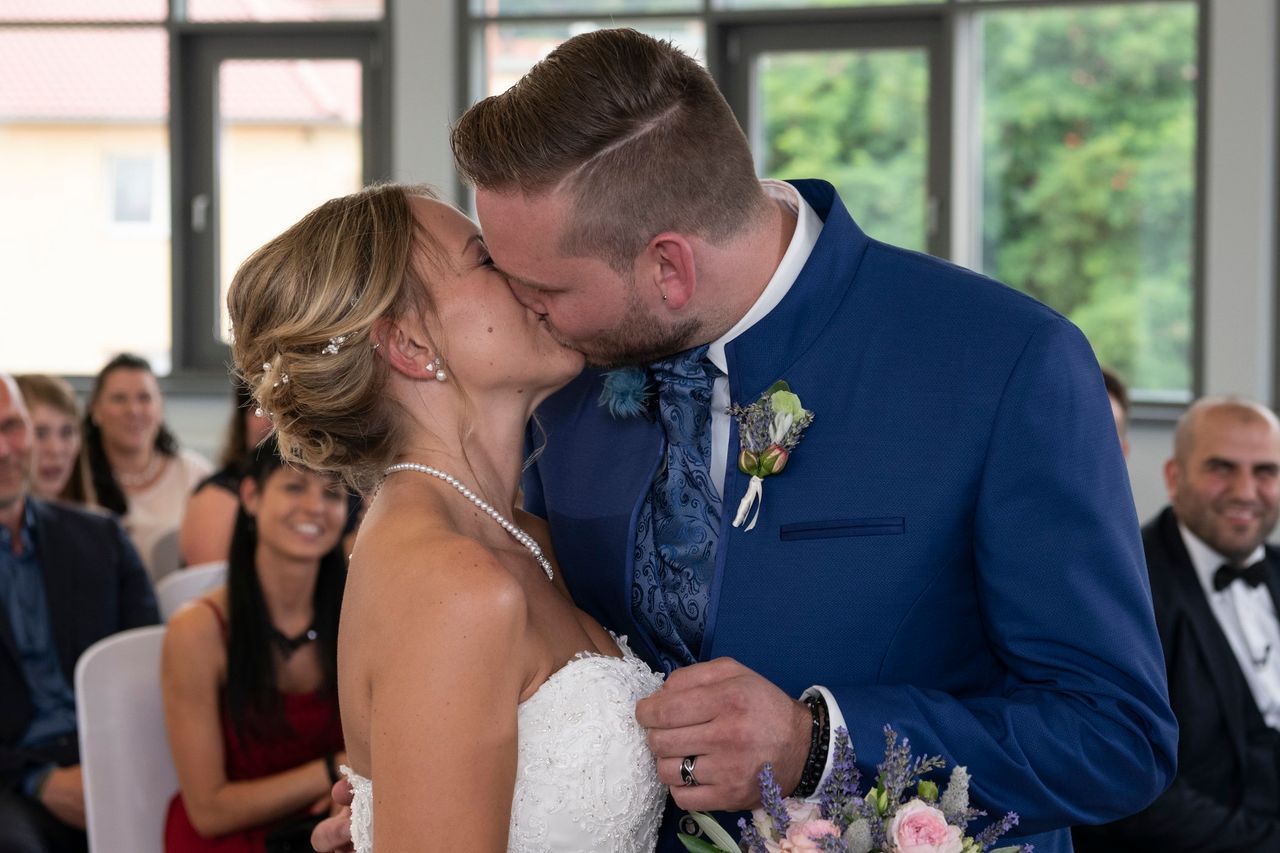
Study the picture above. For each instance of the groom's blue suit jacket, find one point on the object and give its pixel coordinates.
(952, 548)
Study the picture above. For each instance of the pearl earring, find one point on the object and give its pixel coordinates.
(439, 370)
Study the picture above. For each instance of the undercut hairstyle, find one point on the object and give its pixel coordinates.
(303, 309)
(39, 389)
(635, 132)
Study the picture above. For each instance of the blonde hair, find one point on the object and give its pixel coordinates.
(303, 309)
(54, 392)
(637, 133)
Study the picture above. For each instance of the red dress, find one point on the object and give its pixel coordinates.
(316, 731)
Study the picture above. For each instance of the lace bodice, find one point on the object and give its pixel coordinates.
(585, 779)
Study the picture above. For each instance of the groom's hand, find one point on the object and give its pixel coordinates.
(732, 720)
(333, 835)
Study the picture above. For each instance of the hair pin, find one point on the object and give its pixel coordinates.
(335, 344)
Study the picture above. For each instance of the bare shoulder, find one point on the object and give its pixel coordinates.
(193, 635)
(416, 577)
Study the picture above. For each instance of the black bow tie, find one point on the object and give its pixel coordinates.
(1228, 574)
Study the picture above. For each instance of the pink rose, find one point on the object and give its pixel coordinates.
(804, 837)
(798, 811)
(920, 828)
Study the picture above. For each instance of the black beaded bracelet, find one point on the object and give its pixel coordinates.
(819, 741)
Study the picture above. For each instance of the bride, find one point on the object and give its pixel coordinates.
(481, 709)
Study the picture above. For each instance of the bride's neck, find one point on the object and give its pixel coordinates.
(485, 452)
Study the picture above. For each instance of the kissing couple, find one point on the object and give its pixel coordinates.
(549, 412)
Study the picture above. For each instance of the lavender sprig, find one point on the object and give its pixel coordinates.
(751, 836)
(771, 801)
(841, 787)
(753, 424)
(988, 837)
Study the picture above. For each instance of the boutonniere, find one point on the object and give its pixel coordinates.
(626, 391)
(768, 430)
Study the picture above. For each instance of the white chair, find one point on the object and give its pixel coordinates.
(176, 589)
(124, 750)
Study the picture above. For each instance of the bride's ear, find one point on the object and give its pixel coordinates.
(404, 348)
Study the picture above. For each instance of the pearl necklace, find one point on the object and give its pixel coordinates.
(519, 535)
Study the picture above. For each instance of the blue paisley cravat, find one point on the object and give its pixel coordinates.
(679, 523)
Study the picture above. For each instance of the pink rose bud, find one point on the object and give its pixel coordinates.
(920, 828)
(774, 459)
(807, 836)
(748, 463)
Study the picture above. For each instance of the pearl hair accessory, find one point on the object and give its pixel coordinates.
(519, 535)
(335, 344)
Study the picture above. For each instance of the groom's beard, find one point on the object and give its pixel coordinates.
(638, 339)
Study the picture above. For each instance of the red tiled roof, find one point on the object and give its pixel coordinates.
(83, 74)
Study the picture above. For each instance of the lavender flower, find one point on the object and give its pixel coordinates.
(841, 786)
(751, 837)
(626, 391)
(771, 801)
(832, 844)
(899, 771)
(987, 838)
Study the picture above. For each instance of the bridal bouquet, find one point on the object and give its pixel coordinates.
(902, 813)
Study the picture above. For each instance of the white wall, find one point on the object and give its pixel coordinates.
(1240, 253)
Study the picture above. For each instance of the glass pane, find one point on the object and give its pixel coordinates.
(84, 214)
(284, 10)
(83, 10)
(1089, 141)
(289, 139)
(494, 8)
(507, 51)
(809, 4)
(856, 118)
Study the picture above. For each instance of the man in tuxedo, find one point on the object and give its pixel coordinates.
(952, 548)
(68, 578)
(1215, 588)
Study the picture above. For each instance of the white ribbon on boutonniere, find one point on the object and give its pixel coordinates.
(768, 430)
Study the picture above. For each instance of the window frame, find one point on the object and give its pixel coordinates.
(957, 20)
(200, 367)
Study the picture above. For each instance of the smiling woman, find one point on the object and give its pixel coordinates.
(138, 470)
(249, 670)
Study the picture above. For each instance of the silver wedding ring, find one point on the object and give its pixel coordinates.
(686, 772)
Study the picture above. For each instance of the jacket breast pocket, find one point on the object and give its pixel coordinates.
(892, 525)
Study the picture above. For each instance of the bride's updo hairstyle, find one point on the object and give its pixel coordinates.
(303, 308)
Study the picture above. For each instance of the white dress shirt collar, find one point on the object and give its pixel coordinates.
(808, 226)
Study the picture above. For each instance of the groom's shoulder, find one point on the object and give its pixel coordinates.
(926, 285)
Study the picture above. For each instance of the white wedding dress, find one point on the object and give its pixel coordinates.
(585, 779)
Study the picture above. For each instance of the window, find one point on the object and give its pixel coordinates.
(85, 158)
(1068, 127)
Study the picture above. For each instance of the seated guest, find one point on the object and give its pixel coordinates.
(58, 470)
(68, 578)
(138, 470)
(210, 514)
(248, 671)
(1215, 589)
(1118, 394)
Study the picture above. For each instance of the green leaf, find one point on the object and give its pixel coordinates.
(1015, 848)
(722, 839)
(697, 845)
(780, 385)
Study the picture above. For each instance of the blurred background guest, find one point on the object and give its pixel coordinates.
(68, 578)
(59, 472)
(138, 469)
(205, 536)
(249, 671)
(1118, 394)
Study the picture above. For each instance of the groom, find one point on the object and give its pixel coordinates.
(951, 549)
